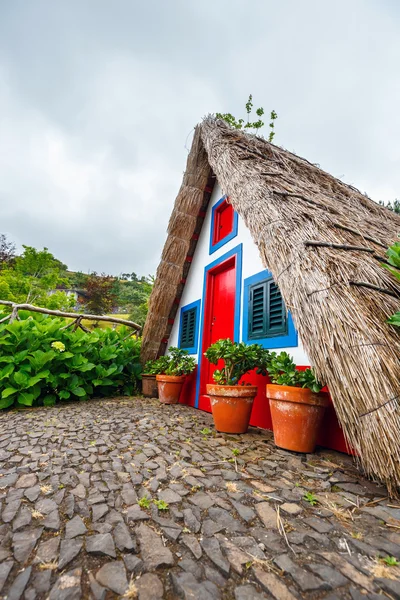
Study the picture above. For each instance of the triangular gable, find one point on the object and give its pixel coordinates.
(323, 241)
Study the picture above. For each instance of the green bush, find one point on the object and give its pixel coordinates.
(393, 256)
(157, 366)
(176, 362)
(179, 362)
(239, 359)
(282, 371)
(41, 364)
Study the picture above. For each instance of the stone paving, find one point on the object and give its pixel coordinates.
(129, 498)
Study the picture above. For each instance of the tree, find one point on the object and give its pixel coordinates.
(129, 276)
(393, 206)
(101, 293)
(31, 277)
(133, 295)
(7, 250)
(77, 280)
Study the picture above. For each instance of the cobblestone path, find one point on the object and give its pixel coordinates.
(129, 498)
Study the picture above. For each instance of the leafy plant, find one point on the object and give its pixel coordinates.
(310, 498)
(239, 358)
(393, 258)
(235, 451)
(282, 371)
(391, 561)
(180, 363)
(176, 362)
(205, 431)
(394, 205)
(256, 125)
(156, 367)
(144, 502)
(42, 363)
(161, 504)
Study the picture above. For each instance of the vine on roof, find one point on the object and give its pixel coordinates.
(255, 125)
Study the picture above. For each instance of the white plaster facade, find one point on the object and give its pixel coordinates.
(251, 264)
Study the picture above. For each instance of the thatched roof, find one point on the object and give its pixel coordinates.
(338, 293)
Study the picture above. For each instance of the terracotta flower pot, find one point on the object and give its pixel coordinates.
(296, 416)
(231, 406)
(149, 386)
(169, 388)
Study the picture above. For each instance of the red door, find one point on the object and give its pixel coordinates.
(224, 222)
(219, 318)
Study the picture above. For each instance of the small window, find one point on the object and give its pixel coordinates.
(224, 224)
(188, 330)
(267, 312)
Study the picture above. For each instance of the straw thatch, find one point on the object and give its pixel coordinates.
(323, 241)
(183, 230)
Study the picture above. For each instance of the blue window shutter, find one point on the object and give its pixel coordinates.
(257, 310)
(188, 328)
(267, 312)
(276, 312)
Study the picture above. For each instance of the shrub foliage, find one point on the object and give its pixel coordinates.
(41, 363)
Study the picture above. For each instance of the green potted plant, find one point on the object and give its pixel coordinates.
(177, 365)
(150, 370)
(296, 402)
(232, 400)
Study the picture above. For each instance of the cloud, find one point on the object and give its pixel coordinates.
(98, 100)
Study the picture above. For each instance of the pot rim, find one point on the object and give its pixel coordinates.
(297, 395)
(149, 375)
(170, 378)
(239, 391)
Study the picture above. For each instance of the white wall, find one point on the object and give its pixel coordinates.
(251, 265)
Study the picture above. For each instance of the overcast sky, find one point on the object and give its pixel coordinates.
(99, 97)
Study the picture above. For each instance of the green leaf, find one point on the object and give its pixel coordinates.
(6, 402)
(394, 272)
(20, 356)
(43, 374)
(8, 369)
(107, 381)
(395, 319)
(64, 394)
(86, 367)
(39, 358)
(31, 381)
(8, 392)
(78, 391)
(36, 391)
(6, 359)
(25, 398)
(20, 378)
(111, 370)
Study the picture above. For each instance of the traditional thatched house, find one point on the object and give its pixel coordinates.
(248, 211)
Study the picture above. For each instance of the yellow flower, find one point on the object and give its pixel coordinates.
(58, 346)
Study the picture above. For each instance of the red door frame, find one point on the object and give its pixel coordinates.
(233, 257)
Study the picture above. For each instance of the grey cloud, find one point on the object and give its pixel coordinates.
(98, 99)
